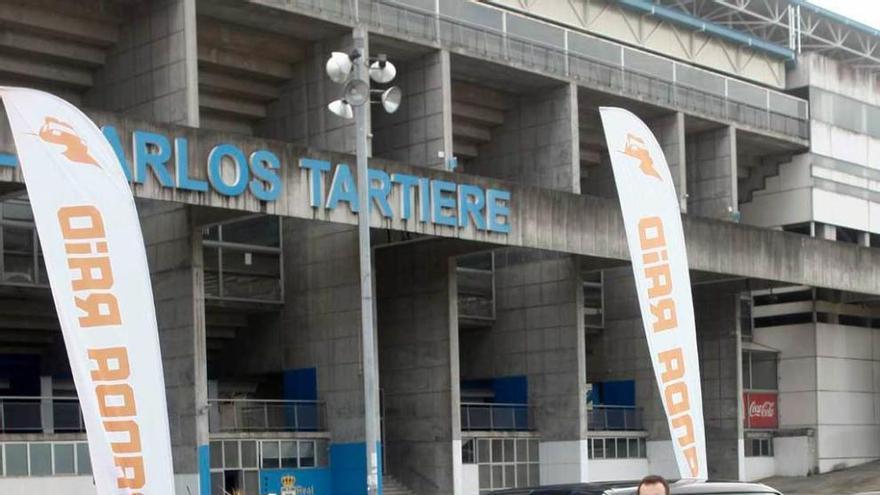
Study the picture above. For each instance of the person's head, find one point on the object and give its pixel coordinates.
(653, 485)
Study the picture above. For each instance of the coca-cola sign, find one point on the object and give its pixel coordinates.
(761, 411)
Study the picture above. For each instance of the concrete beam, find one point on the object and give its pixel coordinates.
(52, 48)
(235, 86)
(247, 42)
(540, 218)
(58, 24)
(471, 132)
(234, 106)
(480, 95)
(477, 113)
(244, 64)
(64, 75)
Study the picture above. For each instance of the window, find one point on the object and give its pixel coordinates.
(759, 446)
(44, 459)
(746, 324)
(235, 464)
(617, 448)
(21, 260)
(759, 370)
(242, 259)
(503, 462)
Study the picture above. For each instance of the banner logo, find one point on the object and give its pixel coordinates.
(635, 147)
(54, 131)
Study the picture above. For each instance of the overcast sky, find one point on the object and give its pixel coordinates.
(864, 11)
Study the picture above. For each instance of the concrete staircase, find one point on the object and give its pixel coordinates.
(390, 486)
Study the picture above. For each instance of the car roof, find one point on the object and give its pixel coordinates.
(684, 487)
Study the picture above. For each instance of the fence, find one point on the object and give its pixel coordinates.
(242, 415)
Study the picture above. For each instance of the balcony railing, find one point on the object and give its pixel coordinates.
(478, 416)
(40, 414)
(615, 418)
(252, 415)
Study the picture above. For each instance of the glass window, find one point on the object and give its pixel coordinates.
(483, 452)
(764, 371)
(249, 454)
(321, 453)
(621, 448)
(251, 482)
(41, 459)
(288, 454)
(307, 454)
(534, 474)
(18, 255)
(217, 486)
(522, 451)
(83, 461)
(64, 462)
(230, 454)
(497, 451)
(497, 476)
(533, 450)
(270, 455)
(633, 448)
(509, 475)
(610, 448)
(1, 459)
(261, 231)
(508, 451)
(522, 475)
(216, 449)
(467, 451)
(16, 459)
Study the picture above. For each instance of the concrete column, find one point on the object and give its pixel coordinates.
(715, 312)
(417, 355)
(151, 73)
(416, 134)
(669, 131)
(827, 232)
(712, 174)
(537, 144)
(47, 412)
(174, 254)
(538, 333)
(864, 239)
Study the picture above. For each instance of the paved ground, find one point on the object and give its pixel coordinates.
(845, 482)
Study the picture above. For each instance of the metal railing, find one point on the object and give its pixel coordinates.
(480, 416)
(242, 415)
(615, 418)
(40, 414)
(388, 16)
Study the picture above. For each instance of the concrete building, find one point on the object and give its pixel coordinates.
(510, 347)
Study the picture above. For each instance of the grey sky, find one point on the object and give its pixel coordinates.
(864, 11)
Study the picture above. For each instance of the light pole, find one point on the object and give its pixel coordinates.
(355, 70)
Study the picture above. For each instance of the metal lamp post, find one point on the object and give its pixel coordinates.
(355, 71)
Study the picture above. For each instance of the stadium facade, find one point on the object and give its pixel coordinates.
(510, 347)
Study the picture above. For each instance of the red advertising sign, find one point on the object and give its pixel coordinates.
(761, 411)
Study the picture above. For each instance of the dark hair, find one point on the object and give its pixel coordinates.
(653, 480)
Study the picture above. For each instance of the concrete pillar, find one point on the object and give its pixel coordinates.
(538, 333)
(715, 312)
(864, 239)
(416, 134)
(174, 254)
(537, 144)
(669, 131)
(151, 73)
(417, 354)
(827, 232)
(47, 412)
(712, 174)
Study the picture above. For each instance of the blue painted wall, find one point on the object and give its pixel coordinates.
(300, 384)
(348, 466)
(618, 393)
(511, 390)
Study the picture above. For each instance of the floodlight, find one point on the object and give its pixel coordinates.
(339, 66)
(391, 99)
(356, 92)
(341, 108)
(382, 71)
